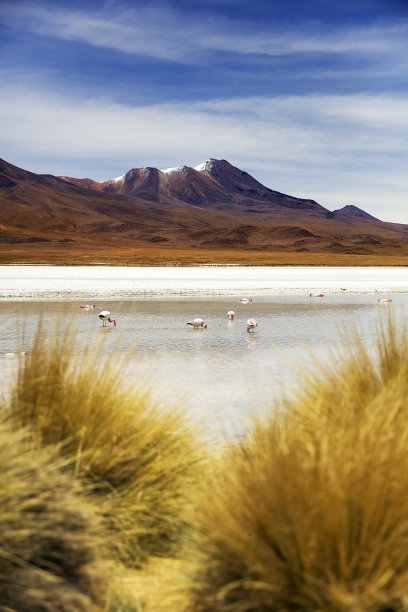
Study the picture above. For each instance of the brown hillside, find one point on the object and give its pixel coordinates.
(213, 214)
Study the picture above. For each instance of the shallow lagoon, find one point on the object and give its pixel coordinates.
(222, 375)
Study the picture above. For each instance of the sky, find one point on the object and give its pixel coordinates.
(309, 97)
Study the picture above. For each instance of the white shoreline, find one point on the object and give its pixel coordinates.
(88, 282)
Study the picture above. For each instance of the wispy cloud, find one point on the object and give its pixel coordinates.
(161, 32)
(337, 149)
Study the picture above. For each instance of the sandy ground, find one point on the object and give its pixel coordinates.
(87, 282)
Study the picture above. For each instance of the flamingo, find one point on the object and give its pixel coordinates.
(105, 317)
(231, 315)
(385, 300)
(251, 324)
(316, 295)
(196, 323)
(246, 300)
(87, 306)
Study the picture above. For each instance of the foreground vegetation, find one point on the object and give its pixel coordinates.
(311, 512)
(136, 458)
(50, 544)
(308, 512)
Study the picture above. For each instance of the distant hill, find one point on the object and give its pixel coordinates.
(214, 206)
(354, 211)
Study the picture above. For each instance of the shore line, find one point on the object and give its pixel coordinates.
(108, 282)
(67, 295)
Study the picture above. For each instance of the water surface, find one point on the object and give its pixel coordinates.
(223, 375)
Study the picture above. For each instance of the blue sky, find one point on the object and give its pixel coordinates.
(311, 98)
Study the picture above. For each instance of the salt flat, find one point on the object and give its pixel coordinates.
(82, 282)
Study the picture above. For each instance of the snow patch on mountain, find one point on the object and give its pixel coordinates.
(206, 166)
(173, 170)
(118, 179)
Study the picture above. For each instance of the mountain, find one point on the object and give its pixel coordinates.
(354, 211)
(213, 207)
(215, 184)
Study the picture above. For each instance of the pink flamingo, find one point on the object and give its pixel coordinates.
(87, 306)
(105, 317)
(231, 315)
(196, 323)
(251, 324)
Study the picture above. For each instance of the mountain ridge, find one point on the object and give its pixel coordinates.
(214, 206)
(215, 183)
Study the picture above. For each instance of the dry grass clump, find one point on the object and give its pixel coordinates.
(137, 457)
(47, 534)
(311, 511)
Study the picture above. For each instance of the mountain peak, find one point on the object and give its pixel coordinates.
(214, 166)
(354, 211)
(208, 165)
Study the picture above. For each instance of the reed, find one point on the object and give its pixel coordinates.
(48, 533)
(310, 512)
(137, 457)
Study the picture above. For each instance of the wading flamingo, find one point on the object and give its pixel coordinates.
(105, 317)
(251, 324)
(87, 306)
(197, 323)
(231, 315)
(246, 300)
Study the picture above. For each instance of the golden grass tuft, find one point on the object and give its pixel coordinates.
(48, 543)
(137, 458)
(310, 512)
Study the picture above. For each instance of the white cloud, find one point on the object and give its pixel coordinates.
(337, 149)
(165, 33)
